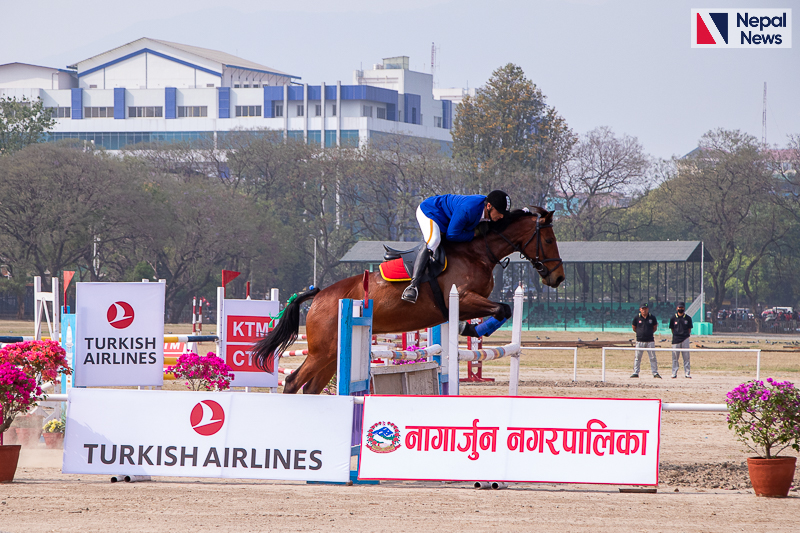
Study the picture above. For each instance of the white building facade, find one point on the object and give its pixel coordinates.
(152, 90)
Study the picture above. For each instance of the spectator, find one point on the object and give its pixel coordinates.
(645, 325)
(681, 326)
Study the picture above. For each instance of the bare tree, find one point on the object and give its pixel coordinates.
(603, 173)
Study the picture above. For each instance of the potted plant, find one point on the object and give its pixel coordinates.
(766, 418)
(24, 367)
(208, 372)
(18, 393)
(54, 434)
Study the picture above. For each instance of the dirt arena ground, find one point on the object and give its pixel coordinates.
(703, 476)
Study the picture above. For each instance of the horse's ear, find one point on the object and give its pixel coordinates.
(548, 218)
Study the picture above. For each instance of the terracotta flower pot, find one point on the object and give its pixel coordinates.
(9, 456)
(771, 478)
(10, 436)
(54, 441)
(28, 436)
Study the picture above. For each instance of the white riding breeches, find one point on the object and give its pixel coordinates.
(430, 230)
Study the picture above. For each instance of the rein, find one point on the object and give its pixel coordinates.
(537, 263)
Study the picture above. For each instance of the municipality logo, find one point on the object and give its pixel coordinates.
(741, 28)
(383, 437)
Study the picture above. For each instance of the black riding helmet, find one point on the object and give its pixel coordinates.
(500, 201)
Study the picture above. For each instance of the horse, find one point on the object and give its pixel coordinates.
(469, 267)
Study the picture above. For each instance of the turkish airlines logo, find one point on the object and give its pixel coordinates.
(120, 315)
(207, 417)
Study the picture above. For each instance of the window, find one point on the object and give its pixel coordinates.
(319, 110)
(192, 111)
(144, 112)
(60, 112)
(98, 112)
(300, 110)
(334, 111)
(246, 85)
(382, 113)
(278, 110)
(93, 86)
(437, 122)
(255, 86)
(210, 85)
(235, 85)
(248, 110)
(413, 115)
(366, 111)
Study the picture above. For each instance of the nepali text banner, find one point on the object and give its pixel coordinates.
(201, 434)
(554, 440)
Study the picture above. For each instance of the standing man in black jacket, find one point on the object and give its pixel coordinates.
(645, 325)
(681, 326)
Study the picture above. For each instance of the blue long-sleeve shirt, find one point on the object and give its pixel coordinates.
(457, 216)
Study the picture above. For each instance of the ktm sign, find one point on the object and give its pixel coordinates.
(741, 28)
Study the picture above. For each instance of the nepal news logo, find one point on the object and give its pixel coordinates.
(207, 418)
(741, 28)
(383, 437)
(120, 315)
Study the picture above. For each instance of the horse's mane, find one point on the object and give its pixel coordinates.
(513, 216)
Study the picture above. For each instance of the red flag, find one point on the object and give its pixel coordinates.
(68, 274)
(228, 276)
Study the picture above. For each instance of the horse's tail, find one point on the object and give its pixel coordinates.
(284, 335)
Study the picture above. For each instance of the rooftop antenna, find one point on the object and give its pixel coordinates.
(433, 63)
(764, 119)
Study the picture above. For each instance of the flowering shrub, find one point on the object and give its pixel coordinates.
(41, 360)
(766, 414)
(18, 393)
(202, 373)
(25, 367)
(54, 426)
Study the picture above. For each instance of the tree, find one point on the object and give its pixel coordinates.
(507, 137)
(57, 200)
(603, 173)
(22, 123)
(721, 191)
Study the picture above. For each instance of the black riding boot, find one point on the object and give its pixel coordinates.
(411, 292)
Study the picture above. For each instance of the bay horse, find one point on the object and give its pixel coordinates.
(469, 267)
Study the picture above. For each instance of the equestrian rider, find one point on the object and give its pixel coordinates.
(455, 217)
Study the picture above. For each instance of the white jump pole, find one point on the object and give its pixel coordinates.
(452, 343)
(516, 338)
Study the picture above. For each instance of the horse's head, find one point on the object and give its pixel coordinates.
(531, 234)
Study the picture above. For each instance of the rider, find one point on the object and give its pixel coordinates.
(455, 217)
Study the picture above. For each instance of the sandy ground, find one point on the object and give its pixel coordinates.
(703, 476)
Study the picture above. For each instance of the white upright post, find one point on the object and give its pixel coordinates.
(452, 343)
(274, 294)
(516, 338)
(37, 308)
(702, 279)
(220, 322)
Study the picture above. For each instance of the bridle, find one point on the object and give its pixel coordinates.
(537, 262)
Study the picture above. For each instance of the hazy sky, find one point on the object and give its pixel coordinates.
(624, 64)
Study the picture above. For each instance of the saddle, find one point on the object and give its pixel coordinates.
(398, 265)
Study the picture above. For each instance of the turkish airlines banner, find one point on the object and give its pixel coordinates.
(247, 321)
(120, 334)
(546, 440)
(208, 434)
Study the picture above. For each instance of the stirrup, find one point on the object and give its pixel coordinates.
(410, 294)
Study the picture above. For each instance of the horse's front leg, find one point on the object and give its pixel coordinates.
(473, 305)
